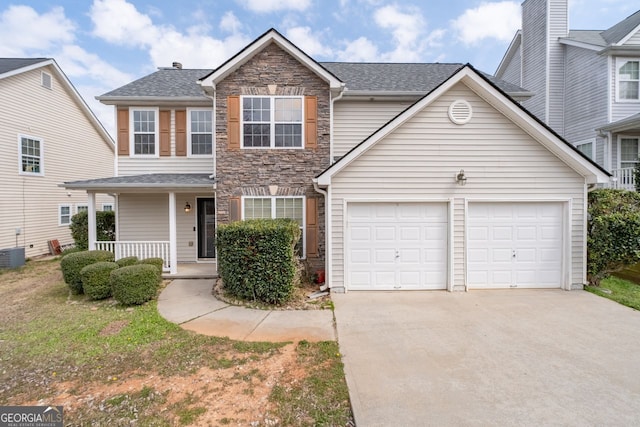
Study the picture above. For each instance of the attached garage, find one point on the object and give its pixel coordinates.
(397, 246)
(515, 245)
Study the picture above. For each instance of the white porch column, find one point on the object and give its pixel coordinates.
(173, 235)
(91, 225)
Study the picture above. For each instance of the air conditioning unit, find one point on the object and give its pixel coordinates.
(11, 257)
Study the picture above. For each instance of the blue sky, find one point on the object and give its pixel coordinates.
(103, 44)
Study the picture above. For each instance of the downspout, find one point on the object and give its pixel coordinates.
(327, 231)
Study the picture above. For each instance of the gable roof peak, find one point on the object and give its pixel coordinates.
(619, 32)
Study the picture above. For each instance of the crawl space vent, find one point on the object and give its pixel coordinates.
(460, 112)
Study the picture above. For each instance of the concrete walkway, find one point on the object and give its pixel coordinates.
(489, 358)
(190, 303)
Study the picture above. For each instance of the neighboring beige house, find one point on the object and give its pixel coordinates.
(48, 135)
(401, 176)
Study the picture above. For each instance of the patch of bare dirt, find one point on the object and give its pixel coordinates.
(234, 396)
(114, 328)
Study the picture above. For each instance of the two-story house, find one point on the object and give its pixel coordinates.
(401, 176)
(48, 135)
(586, 83)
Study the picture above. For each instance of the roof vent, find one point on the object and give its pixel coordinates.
(177, 65)
(460, 112)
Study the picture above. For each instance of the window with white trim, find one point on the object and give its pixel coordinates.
(272, 121)
(64, 214)
(31, 152)
(200, 133)
(82, 208)
(629, 152)
(277, 207)
(628, 79)
(107, 207)
(144, 132)
(587, 148)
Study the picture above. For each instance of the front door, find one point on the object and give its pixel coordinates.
(206, 228)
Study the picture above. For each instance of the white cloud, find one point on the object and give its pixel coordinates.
(359, 50)
(120, 23)
(408, 29)
(498, 20)
(37, 32)
(264, 6)
(77, 62)
(307, 41)
(229, 23)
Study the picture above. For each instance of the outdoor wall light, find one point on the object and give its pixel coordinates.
(187, 208)
(461, 179)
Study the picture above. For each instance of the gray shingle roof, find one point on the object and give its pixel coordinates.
(161, 180)
(593, 37)
(375, 77)
(621, 29)
(166, 82)
(11, 64)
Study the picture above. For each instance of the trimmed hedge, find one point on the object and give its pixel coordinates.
(95, 279)
(134, 284)
(130, 260)
(614, 232)
(256, 259)
(73, 263)
(156, 262)
(105, 227)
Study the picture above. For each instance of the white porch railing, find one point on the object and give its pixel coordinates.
(624, 179)
(151, 249)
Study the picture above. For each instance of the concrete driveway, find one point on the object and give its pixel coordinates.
(519, 357)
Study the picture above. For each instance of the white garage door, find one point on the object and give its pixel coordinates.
(515, 245)
(396, 246)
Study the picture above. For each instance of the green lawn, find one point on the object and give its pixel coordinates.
(620, 290)
(112, 365)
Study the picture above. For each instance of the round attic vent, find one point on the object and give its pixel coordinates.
(460, 112)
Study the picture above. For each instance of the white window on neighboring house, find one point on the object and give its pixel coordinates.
(628, 79)
(31, 152)
(200, 133)
(144, 132)
(107, 207)
(272, 121)
(82, 208)
(64, 214)
(277, 207)
(587, 148)
(629, 152)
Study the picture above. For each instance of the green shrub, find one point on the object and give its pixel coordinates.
(130, 260)
(95, 279)
(105, 228)
(156, 262)
(256, 259)
(73, 263)
(134, 284)
(614, 232)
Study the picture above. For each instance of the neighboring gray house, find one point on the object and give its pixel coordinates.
(586, 83)
(401, 176)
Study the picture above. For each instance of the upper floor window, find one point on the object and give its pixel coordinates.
(628, 79)
(200, 132)
(272, 122)
(31, 155)
(145, 132)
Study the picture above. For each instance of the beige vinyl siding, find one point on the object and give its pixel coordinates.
(355, 120)
(586, 97)
(534, 45)
(146, 217)
(132, 165)
(420, 159)
(73, 150)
